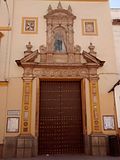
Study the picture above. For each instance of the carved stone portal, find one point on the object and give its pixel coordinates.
(60, 59)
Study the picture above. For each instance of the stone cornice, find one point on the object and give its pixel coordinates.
(3, 83)
(5, 28)
(49, 65)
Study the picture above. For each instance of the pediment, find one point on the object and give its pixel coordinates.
(92, 59)
(37, 59)
(30, 57)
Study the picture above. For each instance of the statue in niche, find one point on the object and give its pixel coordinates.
(59, 45)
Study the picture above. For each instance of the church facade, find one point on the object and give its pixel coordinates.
(57, 65)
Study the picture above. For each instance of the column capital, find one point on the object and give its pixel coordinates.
(93, 78)
(28, 72)
(27, 78)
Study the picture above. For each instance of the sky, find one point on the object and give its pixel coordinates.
(115, 3)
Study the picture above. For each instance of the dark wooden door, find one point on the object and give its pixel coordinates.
(60, 125)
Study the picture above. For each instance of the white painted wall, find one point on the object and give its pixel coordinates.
(115, 13)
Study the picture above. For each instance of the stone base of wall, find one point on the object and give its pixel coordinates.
(99, 144)
(1, 150)
(26, 147)
(9, 148)
(21, 146)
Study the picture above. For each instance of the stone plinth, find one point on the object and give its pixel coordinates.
(99, 144)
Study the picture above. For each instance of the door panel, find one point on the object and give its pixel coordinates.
(60, 127)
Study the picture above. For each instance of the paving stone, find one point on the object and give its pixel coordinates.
(68, 157)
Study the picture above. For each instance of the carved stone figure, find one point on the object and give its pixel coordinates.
(58, 45)
(43, 49)
(77, 49)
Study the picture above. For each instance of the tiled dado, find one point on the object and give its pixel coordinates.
(95, 106)
(26, 107)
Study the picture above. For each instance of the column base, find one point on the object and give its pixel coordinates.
(26, 146)
(23, 146)
(87, 149)
(99, 144)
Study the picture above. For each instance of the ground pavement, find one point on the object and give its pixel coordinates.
(67, 157)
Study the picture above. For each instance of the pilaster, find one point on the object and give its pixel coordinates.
(26, 143)
(95, 105)
(26, 106)
(98, 140)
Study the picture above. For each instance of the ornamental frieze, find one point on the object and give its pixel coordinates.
(64, 73)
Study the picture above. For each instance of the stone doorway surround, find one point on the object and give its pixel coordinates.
(74, 64)
(67, 68)
(80, 67)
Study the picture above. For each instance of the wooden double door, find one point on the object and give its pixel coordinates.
(60, 122)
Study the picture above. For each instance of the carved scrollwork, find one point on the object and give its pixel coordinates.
(56, 73)
(77, 49)
(43, 49)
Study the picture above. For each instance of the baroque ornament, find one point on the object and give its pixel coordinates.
(60, 59)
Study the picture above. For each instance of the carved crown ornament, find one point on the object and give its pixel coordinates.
(60, 56)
